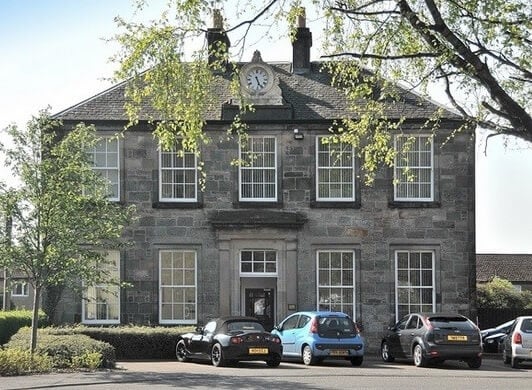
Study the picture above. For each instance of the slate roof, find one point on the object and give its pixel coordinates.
(310, 96)
(515, 268)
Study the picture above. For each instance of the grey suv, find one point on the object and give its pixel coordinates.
(517, 345)
(433, 338)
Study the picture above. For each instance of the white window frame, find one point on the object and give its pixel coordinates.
(107, 168)
(115, 294)
(21, 285)
(248, 158)
(253, 262)
(178, 166)
(178, 256)
(346, 307)
(334, 158)
(414, 307)
(415, 169)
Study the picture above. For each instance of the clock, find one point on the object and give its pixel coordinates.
(259, 85)
(257, 78)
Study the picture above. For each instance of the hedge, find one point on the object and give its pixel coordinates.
(11, 321)
(67, 350)
(132, 342)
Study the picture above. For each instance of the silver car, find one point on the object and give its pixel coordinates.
(517, 345)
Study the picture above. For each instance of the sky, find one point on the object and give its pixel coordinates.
(53, 54)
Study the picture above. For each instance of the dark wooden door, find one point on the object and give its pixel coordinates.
(260, 304)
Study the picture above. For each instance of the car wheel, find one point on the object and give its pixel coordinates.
(385, 352)
(505, 357)
(274, 361)
(308, 357)
(217, 358)
(181, 351)
(357, 361)
(474, 362)
(515, 362)
(419, 359)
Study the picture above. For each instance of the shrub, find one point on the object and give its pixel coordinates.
(16, 361)
(132, 342)
(67, 350)
(500, 293)
(138, 342)
(12, 321)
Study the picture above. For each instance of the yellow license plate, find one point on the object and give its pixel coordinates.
(339, 352)
(258, 351)
(454, 337)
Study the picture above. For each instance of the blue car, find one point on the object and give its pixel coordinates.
(313, 336)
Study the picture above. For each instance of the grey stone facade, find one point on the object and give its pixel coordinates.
(218, 227)
(296, 227)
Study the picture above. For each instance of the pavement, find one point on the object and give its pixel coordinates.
(127, 375)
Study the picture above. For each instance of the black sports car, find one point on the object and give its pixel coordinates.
(227, 340)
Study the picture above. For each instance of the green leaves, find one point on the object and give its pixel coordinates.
(60, 212)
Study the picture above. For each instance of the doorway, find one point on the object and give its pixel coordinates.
(260, 303)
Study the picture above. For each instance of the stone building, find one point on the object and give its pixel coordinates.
(295, 228)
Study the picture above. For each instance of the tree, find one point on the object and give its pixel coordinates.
(500, 293)
(62, 222)
(477, 51)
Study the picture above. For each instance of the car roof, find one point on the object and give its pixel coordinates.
(323, 313)
(446, 315)
(234, 318)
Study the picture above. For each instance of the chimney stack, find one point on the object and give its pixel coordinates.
(217, 40)
(301, 46)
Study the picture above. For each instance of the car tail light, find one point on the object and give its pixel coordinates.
(517, 339)
(314, 325)
(236, 340)
(276, 340)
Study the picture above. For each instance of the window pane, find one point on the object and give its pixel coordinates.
(413, 168)
(335, 178)
(178, 175)
(335, 278)
(178, 289)
(258, 261)
(259, 177)
(414, 284)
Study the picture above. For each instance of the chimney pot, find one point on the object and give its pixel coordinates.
(301, 46)
(301, 19)
(217, 40)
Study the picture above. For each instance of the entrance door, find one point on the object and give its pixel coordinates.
(260, 304)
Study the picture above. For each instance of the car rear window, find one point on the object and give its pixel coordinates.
(343, 324)
(451, 323)
(245, 326)
(526, 325)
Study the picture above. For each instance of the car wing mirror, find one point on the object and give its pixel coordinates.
(199, 329)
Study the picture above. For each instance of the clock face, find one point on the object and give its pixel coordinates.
(257, 79)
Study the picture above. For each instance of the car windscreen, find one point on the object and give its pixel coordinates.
(455, 323)
(245, 326)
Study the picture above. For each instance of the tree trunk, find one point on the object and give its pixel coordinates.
(50, 300)
(35, 318)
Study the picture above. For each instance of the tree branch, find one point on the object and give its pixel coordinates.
(251, 21)
(383, 57)
(468, 62)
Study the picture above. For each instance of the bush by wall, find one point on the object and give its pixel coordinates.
(20, 362)
(12, 321)
(132, 342)
(67, 350)
(500, 293)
